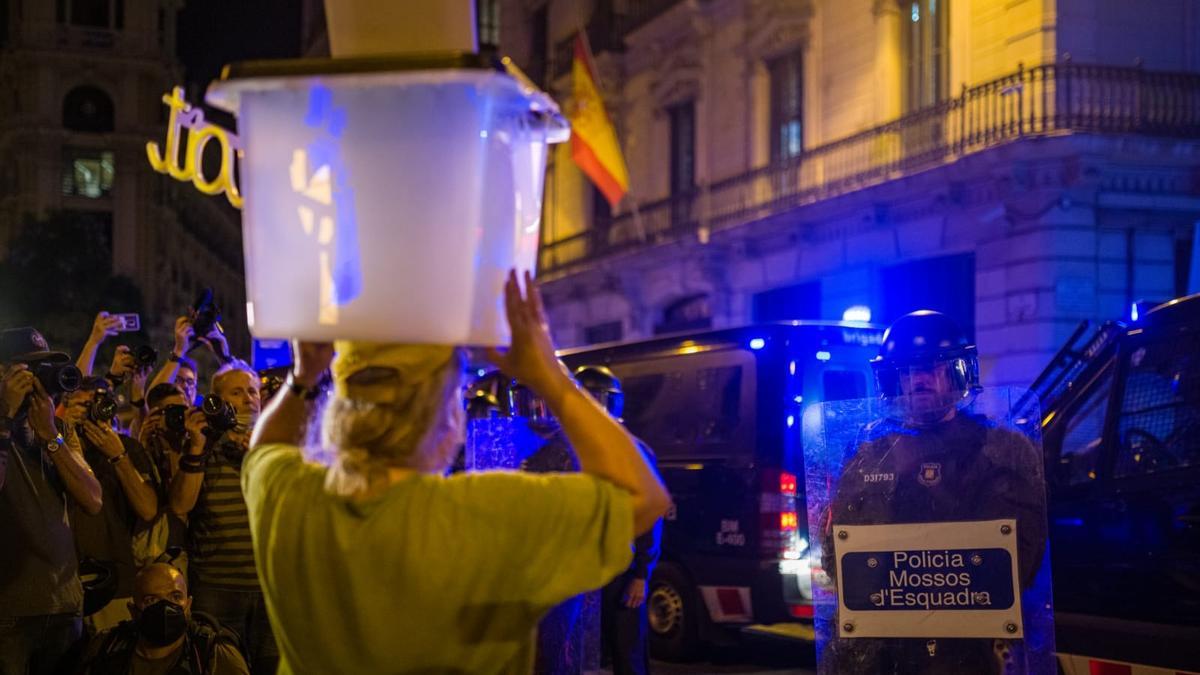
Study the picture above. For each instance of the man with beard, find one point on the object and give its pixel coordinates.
(163, 637)
(930, 460)
(208, 489)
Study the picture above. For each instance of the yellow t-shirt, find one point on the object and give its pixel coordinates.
(438, 575)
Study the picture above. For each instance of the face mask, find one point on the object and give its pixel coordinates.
(245, 421)
(162, 623)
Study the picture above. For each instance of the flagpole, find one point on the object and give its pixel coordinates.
(587, 49)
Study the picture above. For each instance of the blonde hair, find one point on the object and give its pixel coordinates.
(417, 431)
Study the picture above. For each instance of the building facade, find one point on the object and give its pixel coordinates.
(82, 83)
(1022, 165)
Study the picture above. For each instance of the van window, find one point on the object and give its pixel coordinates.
(691, 406)
(1083, 436)
(1159, 426)
(841, 385)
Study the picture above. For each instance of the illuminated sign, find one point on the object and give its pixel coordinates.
(199, 134)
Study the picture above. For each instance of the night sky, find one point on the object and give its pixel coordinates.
(215, 32)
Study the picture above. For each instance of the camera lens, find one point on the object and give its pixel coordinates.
(219, 413)
(58, 378)
(103, 407)
(174, 418)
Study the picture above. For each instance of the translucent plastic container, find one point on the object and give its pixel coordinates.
(387, 205)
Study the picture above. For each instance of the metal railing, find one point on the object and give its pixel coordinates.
(1044, 100)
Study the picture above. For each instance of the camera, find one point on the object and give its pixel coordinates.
(145, 356)
(58, 378)
(102, 408)
(220, 414)
(205, 314)
(175, 418)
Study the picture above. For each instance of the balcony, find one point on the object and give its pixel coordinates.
(1052, 99)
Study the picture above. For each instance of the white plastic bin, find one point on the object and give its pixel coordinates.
(390, 205)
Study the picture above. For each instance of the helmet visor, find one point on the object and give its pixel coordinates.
(927, 393)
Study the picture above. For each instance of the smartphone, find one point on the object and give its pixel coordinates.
(130, 323)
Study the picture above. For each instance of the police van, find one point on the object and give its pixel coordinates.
(722, 410)
(1121, 434)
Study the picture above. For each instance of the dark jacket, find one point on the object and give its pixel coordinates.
(965, 469)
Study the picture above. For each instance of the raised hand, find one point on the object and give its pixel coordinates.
(312, 359)
(530, 359)
(104, 326)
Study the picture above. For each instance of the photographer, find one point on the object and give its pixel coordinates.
(126, 479)
(382, 545)
(40, 593)
(208, 489)
(165, 436)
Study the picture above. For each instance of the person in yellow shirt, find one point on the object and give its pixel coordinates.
(380, 563)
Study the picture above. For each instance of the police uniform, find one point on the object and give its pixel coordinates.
(929, 461)
(964, 469)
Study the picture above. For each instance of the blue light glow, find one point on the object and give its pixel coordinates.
(481, 372)
(857, 313)
(791, 421)
(798, 399)
(824, 355)
(757, 343)
(1133, 313)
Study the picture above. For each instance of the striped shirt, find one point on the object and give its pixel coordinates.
(221, 554)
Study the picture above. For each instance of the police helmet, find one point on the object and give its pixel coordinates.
(525, 403)
(604, 386)
(926, 342)
(487, 396)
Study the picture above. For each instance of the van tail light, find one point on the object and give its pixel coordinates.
(780, 532)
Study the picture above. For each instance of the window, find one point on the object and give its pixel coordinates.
(683, 147)
(926, 52)
(843, 385)
(787, 106)
(1083, 436)
(87, 109)
(87, 172)
(601, 209)
(487, 18)
(790, 303)
(693, 312)
(92, 13)
(683, 161)
(689, 406)
(1159, 426)
(945, 284)
(538, 45)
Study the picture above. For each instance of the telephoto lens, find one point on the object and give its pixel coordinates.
(220, 414)
(58, 378)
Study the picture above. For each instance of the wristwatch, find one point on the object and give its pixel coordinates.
(55, 444)
(172, 357)
(300, 391)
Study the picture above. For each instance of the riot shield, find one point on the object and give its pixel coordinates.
(569, 635)
(928, 539)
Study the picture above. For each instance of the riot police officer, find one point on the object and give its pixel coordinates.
(929, 459)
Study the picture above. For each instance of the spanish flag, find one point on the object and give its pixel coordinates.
(594, 145)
